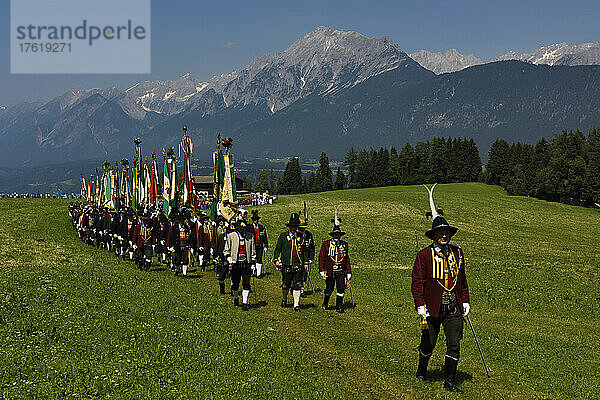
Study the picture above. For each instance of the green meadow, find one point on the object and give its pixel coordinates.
(76, 322)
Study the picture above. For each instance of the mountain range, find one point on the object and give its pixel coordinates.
(329, 90)
(556, 54)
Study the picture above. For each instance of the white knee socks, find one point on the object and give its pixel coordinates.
(296, 294)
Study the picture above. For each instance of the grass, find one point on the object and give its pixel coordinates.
(77, 322)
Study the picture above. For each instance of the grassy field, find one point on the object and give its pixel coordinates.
(77, 322)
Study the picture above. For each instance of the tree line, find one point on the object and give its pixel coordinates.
(441, 160)
(564, 169)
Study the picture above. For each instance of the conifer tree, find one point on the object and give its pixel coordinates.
(324, 175)
(351, 162)
(340, 180)
(291, 181)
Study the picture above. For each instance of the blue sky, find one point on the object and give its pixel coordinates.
(212, 37)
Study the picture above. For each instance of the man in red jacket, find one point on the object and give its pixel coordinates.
(334, 266)
(441, 294)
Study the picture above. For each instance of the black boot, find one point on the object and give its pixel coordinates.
(339, 303)
(245, 307)
(222, 287)
(325, 301)
(236, 302)
(449, 374)
(422, 368)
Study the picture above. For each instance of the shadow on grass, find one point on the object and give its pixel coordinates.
(437, 375)
(259, 304)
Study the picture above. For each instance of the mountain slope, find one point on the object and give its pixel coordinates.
(450, 61)
(509, 99)
(558, 54)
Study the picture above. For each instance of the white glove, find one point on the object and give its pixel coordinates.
(466, 309)
(229, 260)
(192, 251)
(322, 274)
(131, 243)
(348, 276)
(211, 251)
(135, 246)
(171, 249)
(162, 242)
(421, 311)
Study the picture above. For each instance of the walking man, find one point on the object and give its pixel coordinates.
(334, 266)
(290, 257)
(441, 295)
(240, 253)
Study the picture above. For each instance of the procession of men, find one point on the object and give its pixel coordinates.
(234, 249)
(174, 233)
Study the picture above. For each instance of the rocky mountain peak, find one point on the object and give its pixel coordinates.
(322, 61)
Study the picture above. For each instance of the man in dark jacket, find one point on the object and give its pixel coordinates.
(441, 295)
(290, 257)
(260, 242)
(334, 267)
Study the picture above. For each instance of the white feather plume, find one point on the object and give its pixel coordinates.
(434, 213)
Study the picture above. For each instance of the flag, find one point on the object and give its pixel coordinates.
(153, 193)
(108, 190)
(173, 195)
(97, 192)
(90, 192)
(83, 190)
(227, 194)
(147, 184)
(134, 185)
(166, 188)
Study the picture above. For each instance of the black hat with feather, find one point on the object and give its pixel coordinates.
(337, 230)
(438, 222)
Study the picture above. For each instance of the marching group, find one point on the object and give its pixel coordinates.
(233, 249)
(237, 249)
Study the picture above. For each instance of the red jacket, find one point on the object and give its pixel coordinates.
(326, 262)
(426, 289)
(206, 235)
(144, 234)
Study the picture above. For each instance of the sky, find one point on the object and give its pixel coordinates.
(206, 38)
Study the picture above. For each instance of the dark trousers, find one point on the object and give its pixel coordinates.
(450, 317)
(182, 257)
(240, 271)
(221, 271)
(291, 277)
(259, 254)
(338, 279)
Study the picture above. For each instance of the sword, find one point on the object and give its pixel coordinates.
(478, 346)
(351, 294)
(310, 280)
(264, 271)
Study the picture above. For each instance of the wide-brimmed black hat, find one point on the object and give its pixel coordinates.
(337, 229)
(294, 220)
(255, 216)
(438, 223)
